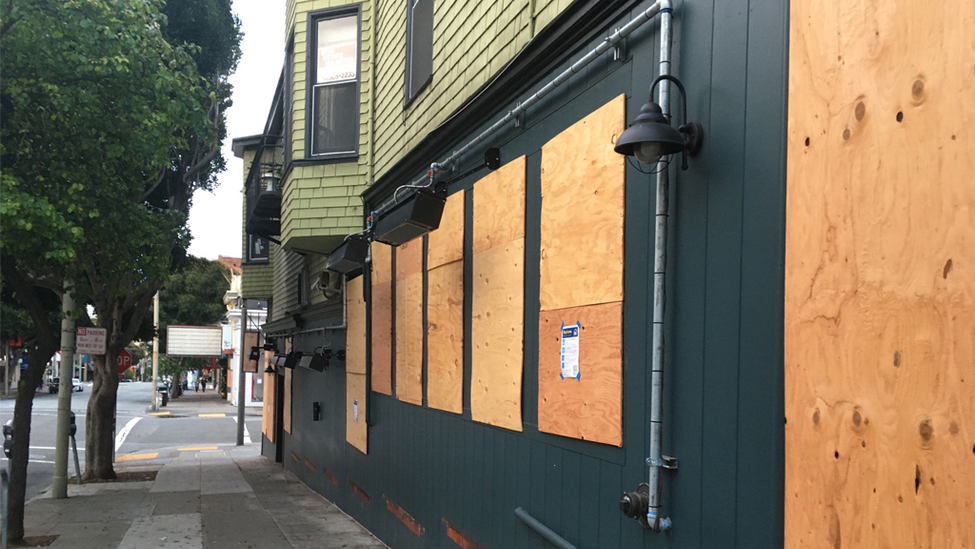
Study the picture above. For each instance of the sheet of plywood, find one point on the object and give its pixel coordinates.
(590, 407)
(497, 335)
(356, 431)
(409, 258)
(445, 337)
(355, 343)
(382, 338)
(267, 413)
(582, 212)
(382, 263)
(446, 244)
(499, 206)
(250, 340)
(409, 333)
(287, 401)
(880, 275)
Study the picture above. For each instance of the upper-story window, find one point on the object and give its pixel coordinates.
(419, 46)
(333, 90)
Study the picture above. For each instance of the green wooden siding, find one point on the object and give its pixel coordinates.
(257, 280)
(473, 40)
(320, 204)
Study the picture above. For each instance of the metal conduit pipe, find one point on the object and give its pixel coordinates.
(543, 530)
(606, 44)
(655, 461)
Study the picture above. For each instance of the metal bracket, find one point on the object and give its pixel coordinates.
(665, 462)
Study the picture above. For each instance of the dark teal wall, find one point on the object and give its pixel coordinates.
(724, 405)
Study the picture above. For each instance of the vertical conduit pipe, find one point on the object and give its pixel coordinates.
(655, 463)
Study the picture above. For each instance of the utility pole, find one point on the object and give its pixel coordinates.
(240, 376)
(66, 366)
(155, 349)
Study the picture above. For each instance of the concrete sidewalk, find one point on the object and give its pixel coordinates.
(225, 498)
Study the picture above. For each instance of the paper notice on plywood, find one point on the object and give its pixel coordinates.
(570, 351)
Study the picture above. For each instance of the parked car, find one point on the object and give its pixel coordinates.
(76, 385)
(52, 386)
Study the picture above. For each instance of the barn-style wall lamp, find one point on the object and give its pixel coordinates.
(651, 136)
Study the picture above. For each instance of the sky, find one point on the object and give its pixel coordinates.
(215, 218)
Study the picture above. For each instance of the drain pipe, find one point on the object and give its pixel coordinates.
(655, 461)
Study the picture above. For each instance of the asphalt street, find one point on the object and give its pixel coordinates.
(135, 429)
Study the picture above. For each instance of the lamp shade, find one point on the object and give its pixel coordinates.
(349, 255)
(650, 137)
(411, 218)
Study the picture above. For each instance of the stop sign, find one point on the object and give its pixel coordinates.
(124, 361)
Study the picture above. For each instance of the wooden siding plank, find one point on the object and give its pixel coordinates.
(497, 335)
(355, 361)
(446, 244)
(445, 338)
(591, 407)
(382, 338)
(582, 212)
(382, 263)
(879, 287)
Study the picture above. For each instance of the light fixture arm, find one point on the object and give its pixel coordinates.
(680, 87)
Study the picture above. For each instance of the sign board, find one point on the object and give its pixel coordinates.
(124, 361)
(90, 341)
(228, 339)
(194, 341)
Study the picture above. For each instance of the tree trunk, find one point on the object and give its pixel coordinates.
(100, 421)
(20, 453)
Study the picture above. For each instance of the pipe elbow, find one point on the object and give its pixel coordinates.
(666, 5)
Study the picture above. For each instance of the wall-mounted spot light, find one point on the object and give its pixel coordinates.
(291, 360)
(651, 136)
(349, 255)
(254, 354)
(411, 218)
(317, 361)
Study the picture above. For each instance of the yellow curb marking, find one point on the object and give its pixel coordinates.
(213, 415)
(132, 457)
(158, 413)
(197, 448)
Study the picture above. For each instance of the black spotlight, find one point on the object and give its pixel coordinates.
(349, 255)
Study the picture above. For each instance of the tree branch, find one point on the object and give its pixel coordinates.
(188, 176)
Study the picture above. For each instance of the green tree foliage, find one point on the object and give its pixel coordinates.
(109, 128)
(194, 295)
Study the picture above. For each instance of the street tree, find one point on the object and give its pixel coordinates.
(108, 130)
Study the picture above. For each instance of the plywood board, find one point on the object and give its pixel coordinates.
(287, 401)
(880, 276)
(267, 414)
(445, 337)
(409, 337)
(355, 342)
(409, 258)
(356, 431)
(382, 338)
(499, 206)
(446, 244)
(497, 335)
(382, 263)
(250, 340)
(590, 407)
(581, 260)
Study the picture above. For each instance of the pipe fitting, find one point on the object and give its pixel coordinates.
(636, 505)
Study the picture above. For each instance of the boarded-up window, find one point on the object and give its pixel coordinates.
(267, 414)
(498, 296)
(445, 309)
(287, 400)
(580, 362)
(355, 366)
(381, 304)
(409, 322)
